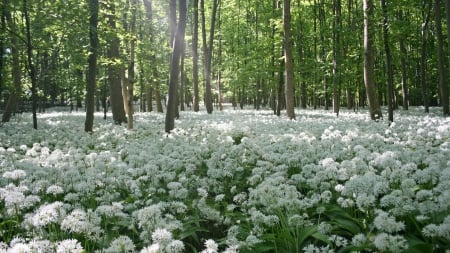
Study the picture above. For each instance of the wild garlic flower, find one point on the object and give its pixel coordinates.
(15, 174)
(49, 213)
(211, 247)
(69, 246)
(122, 244)
(162, 236)
(390, 243)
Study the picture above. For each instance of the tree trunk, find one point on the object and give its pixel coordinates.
(447, 10)
(280, 92)
(131, 73)
(195, 58)
(369, 73)
(3, 14)
(403, 55)
(289, 62)
(387, 49)
(443, 85)
(13, 99)
(175, 67)
(32, 69)
(423, 55)
(114, 72)
(337, 23)
(92, 62)
(207, 52)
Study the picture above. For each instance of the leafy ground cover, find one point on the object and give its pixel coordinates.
(233, 181)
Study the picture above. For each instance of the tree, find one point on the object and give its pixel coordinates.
(443, 85)
(369, 74)
(289, 62)
(387, 49)
(92, 63)
(13, 99)
(426, 14)
(175, 67)
(31, 66)
(207, 52)
(195, 58)
(131, 73)
(114, 69)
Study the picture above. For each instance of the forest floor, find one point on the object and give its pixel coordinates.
(232, 181)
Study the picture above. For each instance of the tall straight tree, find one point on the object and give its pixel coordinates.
(337, 28)
(195, 57)
(16, 91)
(289, 62)
(92, 63)
(443, 85)
(387, 49)
(426, 14)
(2, 42)
(31, 66)
(403, 55)
(114, 70)
(131, 73)
(178, 45)
(369, 73)
(207, 52)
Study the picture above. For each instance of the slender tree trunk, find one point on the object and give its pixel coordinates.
(423, 58)
(181, 90)
(195, 58)
(207, 52)
(369, 73)
(280, 92)
(387, 49)
(337, 23)
(447, 11)
(32, 69)
(149, 95)
(289, 62)
(114, 72)
(131, 72)
(92, 62)
(443, 85)
(13, 99)
(3, 14)
(403, 55)
(175, 67)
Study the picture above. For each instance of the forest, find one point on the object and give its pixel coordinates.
(341, 54)
(224, 126)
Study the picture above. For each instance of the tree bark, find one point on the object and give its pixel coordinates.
(114, 72)
(92, 63)
(403, 52)
(2, 42)
(443, 85)
(387, 49)
(195, 58)
(289, 62)
(207, 52)
(423, 56)
(337, 23)
(369, 73)
(131, 72)
(175, 67)
(13, 99)
(32, 68)
(447, 11)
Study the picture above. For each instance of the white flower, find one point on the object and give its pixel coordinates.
(175, 246)
(154, 248)
(46, 214)
(54, 190)
(15, 174)
(390, 243)
(386, 223)
(122, 244)
(69, 246)
(162, 236)
(211, 246)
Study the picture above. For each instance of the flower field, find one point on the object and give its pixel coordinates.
(234, 181)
